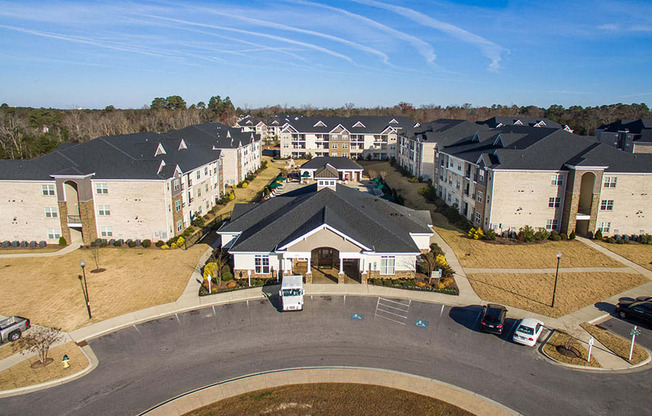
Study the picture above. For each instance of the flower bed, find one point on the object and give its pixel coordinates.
(233, 285)
(421, 283)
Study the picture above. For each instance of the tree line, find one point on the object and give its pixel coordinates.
(26, 133)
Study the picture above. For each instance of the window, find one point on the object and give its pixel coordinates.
(53, 235)
(334, 154)
(198, 192)
(51, 212)
(554, 202)
(478, 218)
(262, 264)
(551, 224)
(604, 226)
(206, 188)
(106, 232)
(610, 181)
(334, 146)
(177, 184)
(101, 188)
(607, 205)
(344, 145)
(206, 171)
(47, 190)
(179, 225)
(198, 174)
(387, 265)
(103, 210)
(557, 180)
(459, 166)
(481, 175)
(480, 196)
(177, 205)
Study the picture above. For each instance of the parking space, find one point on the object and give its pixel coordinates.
(395, 310)
(622, 327)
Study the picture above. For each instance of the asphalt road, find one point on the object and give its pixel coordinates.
(622, 327)
(145, 364)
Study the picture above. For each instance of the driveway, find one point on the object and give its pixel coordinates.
(145, 364)
(623, 326)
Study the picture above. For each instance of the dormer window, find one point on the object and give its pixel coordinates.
(320, 124)
(518, 123)
(160, 150)
(182, 145)
(359, 124)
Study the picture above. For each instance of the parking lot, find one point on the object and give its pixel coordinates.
(622, 327)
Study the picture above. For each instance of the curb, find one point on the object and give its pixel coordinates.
(92, 364)
(465, 399)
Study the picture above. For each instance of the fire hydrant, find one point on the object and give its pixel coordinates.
(65, 360)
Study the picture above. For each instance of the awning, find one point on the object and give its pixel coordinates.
(274, 185)
(305, 175)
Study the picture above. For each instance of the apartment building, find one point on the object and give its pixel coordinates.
(633, 136)
(354, 137)
(512, 176)
(419, 152)
(138, 186)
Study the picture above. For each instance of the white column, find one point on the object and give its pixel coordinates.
(341, 265)
(308, 271)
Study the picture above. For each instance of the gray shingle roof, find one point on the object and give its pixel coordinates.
(340, 163)
(131, 156)
(354, 124)
(527, 121)
(377, 224)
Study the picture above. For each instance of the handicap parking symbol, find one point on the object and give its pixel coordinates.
(421, 324)
(357, 317)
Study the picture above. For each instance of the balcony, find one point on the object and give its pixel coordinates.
(74, 221)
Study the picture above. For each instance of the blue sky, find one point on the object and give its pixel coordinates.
(91, 54)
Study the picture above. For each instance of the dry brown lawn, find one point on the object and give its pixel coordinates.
(533, 291)
(616, 344)
(640, 254)
(7, 350)
(563, 339)
(24, 250)
(486, 254)
(330, 399)
(22, 374)
(47, 290)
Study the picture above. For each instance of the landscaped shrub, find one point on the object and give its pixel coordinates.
(62, 241)
(475, 233)
(490, 235)
(572, 235)
(103, 244)
(231, 196)
(413, 179)
(206, 217)
(621, 241)
(245, 184)
(434, 247)
(118, 243)
(541, 234)
(173, 245)
(180, 241)
(598, 234)
(132, 244)
(227, 275)
(146, 243)
(160, 243)
(198, 222)
(554, 236)
(563, 236)
(611, 240)
(526, 234)
(646, 239)
(165, 247)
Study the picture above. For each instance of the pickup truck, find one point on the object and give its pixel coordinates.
(12, 328)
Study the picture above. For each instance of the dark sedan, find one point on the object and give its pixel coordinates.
(635, 309)
(493, 318)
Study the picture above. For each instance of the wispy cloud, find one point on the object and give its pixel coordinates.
(640, 94)
(424, 48)
(619, 27)
(489, 49)
(288, 28)
(252, 33)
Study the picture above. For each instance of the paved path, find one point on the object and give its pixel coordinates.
(552, 270)
(639, 269)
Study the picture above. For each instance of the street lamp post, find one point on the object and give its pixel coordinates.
(82, 263)
(554, 292)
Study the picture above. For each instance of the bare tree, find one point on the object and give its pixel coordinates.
(38, 341)
(95, 252)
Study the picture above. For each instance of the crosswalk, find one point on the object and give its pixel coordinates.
(394, 310)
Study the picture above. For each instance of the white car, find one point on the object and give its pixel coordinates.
(528, 332)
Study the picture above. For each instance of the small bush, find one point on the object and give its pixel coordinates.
(198, 222)
(621, 241)
(160, 243)
(132, 244)
(413, 179)
(62, 241)
(103, 244)
(231, 196)
(475, 233)
(572, 235)
(173, 245)
(541, 234)
(206, 217)
(434, 247)
(563, 236)
(646, 239)
(146, 243)
(227, 276)
(180, 241)
(598, 234)
(490, 235)
(245, 184)
(611, 240)
(554, 236)
(118, 243)
(526, 234)
(165, 247)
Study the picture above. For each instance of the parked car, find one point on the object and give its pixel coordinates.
(528, 332)
(493, 318)
(635, 309)
(12, 328)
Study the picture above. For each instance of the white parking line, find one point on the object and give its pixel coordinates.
(394, 308)
(389, 319)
